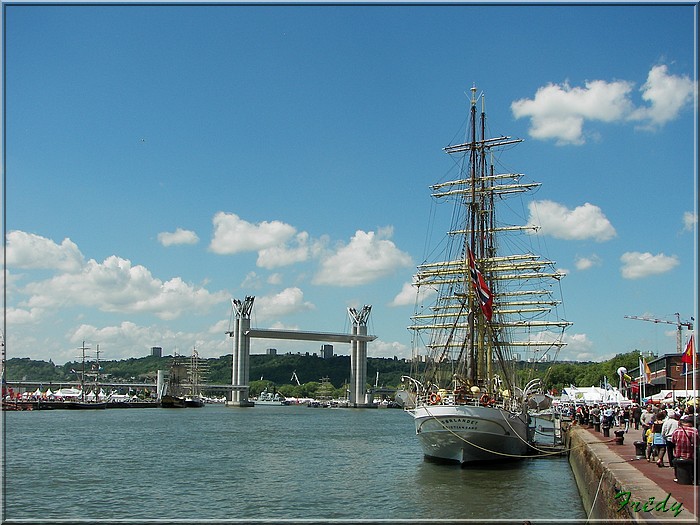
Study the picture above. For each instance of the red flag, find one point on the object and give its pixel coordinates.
(482, 290)
(689, 351)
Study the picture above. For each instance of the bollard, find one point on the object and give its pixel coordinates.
(596, 427)
(684, 471)
(619, 437)
(640, 448)
(606, 432)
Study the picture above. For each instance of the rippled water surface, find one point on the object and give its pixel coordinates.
(258, 463)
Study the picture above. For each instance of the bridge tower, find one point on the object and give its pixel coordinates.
(358, 357)
(241, 352)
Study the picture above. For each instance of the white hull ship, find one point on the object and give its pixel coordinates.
(484, 305)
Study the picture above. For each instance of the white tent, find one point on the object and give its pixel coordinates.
(594, 395)
(68, 392)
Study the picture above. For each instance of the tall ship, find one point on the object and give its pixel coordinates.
(486, 303)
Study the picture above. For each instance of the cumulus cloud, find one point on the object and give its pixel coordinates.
(559, 111)
(407, 295)
(636, 265)
(30, 251)
(388, 349)
(367, 257)
(666, 95)
(583, 222)
(690, 219)
(179, 236)
(284, 255)
(116, 286)
(17, 316)
(578, 348)
(586, 263)
(288, 301)
(235, 235)
(126, 338)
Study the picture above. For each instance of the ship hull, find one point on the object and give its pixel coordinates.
(470, 434)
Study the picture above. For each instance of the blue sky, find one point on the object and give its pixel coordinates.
(160, 160)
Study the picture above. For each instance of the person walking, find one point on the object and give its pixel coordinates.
(658, 441)
(636, 415)
(626, 415)
(647, 418)
(685, 438)
(667, 430)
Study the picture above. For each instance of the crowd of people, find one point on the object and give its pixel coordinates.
(669, 433)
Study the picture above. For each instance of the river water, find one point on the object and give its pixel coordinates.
(262, 463)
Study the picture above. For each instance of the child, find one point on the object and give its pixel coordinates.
(649, 438)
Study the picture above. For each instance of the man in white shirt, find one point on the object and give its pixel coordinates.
(670, 424)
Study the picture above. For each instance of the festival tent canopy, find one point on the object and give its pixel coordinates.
(593, 395)
(68, 392)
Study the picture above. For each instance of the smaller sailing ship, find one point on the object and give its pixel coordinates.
(172, 395)
(486, 302)
(183, 387)
(89, 374)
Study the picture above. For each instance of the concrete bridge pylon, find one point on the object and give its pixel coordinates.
(241, 334)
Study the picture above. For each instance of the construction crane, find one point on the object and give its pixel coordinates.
(679, 324)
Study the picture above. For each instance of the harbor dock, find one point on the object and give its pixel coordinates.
(616, 484)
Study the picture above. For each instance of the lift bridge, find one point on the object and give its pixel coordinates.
(242, 333)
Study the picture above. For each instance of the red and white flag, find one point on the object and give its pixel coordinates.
(482, 290)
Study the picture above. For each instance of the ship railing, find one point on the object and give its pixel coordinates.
(456, 399)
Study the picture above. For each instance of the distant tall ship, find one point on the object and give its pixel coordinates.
(485, 301)
(180, 394)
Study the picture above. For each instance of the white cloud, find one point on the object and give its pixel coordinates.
(116, 286)
(282, 255)
(234, 235)
(179, 236)
(388, 349)
(128, 339)
(17, 316)
(407, 295)
(559, 111)
(367, 257)
(666, 94)
(586, 263)
(578, 348)
(636, 265)
(274, 278)
(690, 219)
(30, 251)
(583, 222)
(288, 301)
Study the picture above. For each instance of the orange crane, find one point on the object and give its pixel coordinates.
(679, 324)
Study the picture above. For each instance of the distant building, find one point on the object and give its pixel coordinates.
(326, 351)
(667, 373)
(271, 351)
(156, 351)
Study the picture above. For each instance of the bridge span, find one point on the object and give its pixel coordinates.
(242, 333)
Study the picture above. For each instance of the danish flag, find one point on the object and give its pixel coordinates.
(482, 291)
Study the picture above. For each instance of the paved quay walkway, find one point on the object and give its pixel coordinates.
(662, 477)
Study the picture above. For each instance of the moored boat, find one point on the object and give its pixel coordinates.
(493, 304)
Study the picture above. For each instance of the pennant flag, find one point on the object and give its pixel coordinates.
(647, 370)
(689, 351)
(482, 290)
